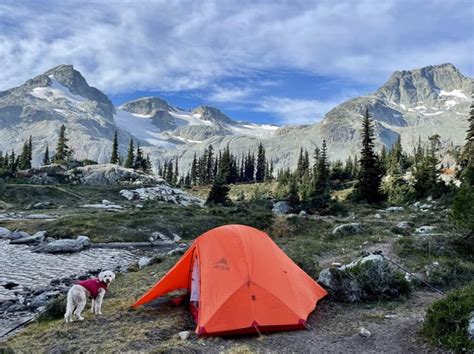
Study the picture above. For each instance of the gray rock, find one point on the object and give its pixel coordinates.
(326, 278)
(109, 174)
(426, 206)
(281, 207)
(424, 230)
(470, 326)
(36, 238)
(64, 246)
(15, 235)
(372, 257)
(184, 335)
(404, 225)
(363, 332)
(395, 209)
(43, 299)
(162, 192)
(4, 232)
(378, 216)
(144, 262)
(303, 214)
(347, 229)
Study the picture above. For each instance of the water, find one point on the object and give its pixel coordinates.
(31, 270)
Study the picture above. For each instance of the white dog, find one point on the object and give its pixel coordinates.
(94, 288)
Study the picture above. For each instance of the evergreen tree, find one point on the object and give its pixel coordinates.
(261, 162)
(46, 156)
(467, 155)
(194, 170)
(23, 162)
(13, 163)
(249, 167)
(115, 155)
(63, 152)
(130, 156)
(219, 193)
(370, 172)
(320, 195)
(176, 172)
(293, 196)
(148, 164)
(138, 162)
(30, 151)
(210, 165)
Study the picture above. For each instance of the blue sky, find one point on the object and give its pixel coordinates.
(281, 62)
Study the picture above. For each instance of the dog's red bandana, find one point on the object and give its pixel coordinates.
(93, 285)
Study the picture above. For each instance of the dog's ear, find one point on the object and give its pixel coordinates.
(101, 276)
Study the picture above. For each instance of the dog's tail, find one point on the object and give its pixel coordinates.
(69, 307)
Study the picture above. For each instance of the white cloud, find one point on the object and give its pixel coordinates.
(183, 45)
(295, 111)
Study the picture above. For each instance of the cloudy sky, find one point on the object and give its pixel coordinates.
(267, 61)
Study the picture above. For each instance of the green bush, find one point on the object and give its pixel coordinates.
(447, 319)
(452, 273)
(367, 282)
(54, 310)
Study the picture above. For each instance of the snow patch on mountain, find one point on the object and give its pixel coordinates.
(141, 127)
(56, 91)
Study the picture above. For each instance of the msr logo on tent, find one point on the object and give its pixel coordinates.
(222, 265)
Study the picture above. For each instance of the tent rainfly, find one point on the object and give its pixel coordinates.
(240, 281)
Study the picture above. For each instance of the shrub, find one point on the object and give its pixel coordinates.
(366, 282)
(447, 319)
(54, 310)
(452, 273)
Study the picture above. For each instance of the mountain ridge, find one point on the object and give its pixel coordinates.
(411, 103)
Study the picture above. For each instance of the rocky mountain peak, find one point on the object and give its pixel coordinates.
(423, 85)
(147, 105)
(212, 114)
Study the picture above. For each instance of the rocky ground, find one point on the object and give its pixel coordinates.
(418, 236)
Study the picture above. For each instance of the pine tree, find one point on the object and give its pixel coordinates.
(320, 196)
(176, 172)
(210, 165)
(293, 196)
(261, 161)
(169, 172)
(219, 192)
(115, 155)
(467, 155)
(13, 163)
(194, 171)
(130, 156)
(23, 162)
(46, 156)
(370, 173)
(148, 164)
(63, 152)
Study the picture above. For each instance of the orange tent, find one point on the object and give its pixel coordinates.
(246, 283)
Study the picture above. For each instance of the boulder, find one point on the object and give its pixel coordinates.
(184, 335)
(303, 214)
(426, 206)
(144, 262)
(65, 246)
(15, 235)
(281, 207)
(395, 209)
(363, 332)
(4, 232)
(371, 257)
(161, 192)
(43, 299)
(405, 225)
(109, 174)
(36, 238)
(424, 230)
(470, 326)
(378, 216)
(347, 229)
